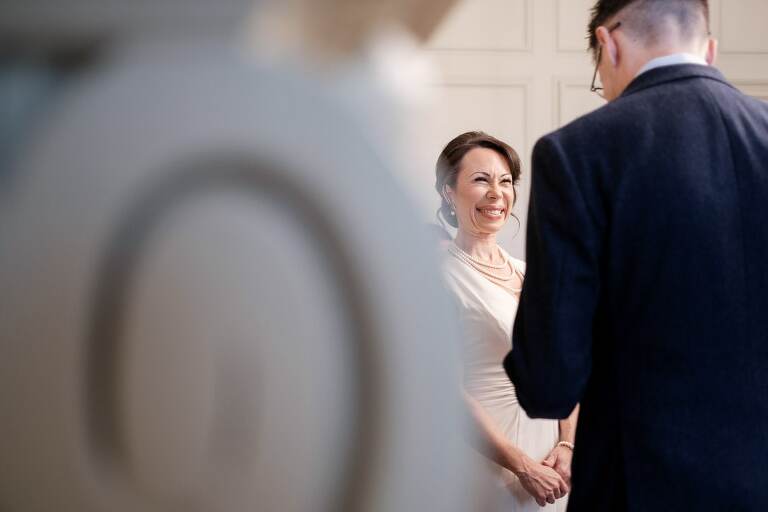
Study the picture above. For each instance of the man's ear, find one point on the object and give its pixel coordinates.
(711, 51)
(609, 47)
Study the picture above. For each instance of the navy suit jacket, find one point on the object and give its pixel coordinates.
(646, 295)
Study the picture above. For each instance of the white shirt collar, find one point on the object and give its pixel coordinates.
(671, 60)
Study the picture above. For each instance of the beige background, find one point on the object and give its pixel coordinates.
(518, 69)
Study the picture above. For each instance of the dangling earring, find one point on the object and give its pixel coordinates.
(452, 213)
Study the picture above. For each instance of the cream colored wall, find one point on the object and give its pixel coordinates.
(519, 69)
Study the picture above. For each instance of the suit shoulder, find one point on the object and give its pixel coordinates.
(608, 114)
(753, 104)
(595, 128)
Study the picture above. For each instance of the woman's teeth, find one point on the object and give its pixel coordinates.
(491, 212)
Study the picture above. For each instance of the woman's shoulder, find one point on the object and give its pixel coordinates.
(459, 275)
(452, 266)
(519, 264)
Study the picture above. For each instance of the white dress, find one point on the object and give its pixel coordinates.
(487, 312)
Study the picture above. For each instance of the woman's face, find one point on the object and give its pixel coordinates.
(484, 193)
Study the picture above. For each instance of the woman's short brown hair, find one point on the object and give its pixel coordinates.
(449, 162)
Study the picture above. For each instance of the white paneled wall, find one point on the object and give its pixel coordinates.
(485, 25)
(742, 26)
(519, 69)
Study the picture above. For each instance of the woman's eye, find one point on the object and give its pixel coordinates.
(506, 182)
(480, 179)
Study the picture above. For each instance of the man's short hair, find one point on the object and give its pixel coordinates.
(644, 18)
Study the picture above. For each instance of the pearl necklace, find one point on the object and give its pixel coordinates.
(501, 275)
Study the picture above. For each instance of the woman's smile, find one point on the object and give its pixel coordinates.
(492, 212)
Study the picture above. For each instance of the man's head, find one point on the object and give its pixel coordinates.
(646, 29)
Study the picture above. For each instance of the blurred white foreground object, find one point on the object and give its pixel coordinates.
(214, 297)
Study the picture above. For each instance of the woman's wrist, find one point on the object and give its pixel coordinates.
(566, 434)
(567, 444)
(519, 462)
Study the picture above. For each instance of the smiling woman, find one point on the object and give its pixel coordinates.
(476, 176)
(485, 188)
(452, 158)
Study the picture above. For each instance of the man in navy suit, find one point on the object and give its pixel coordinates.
(646, 294)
